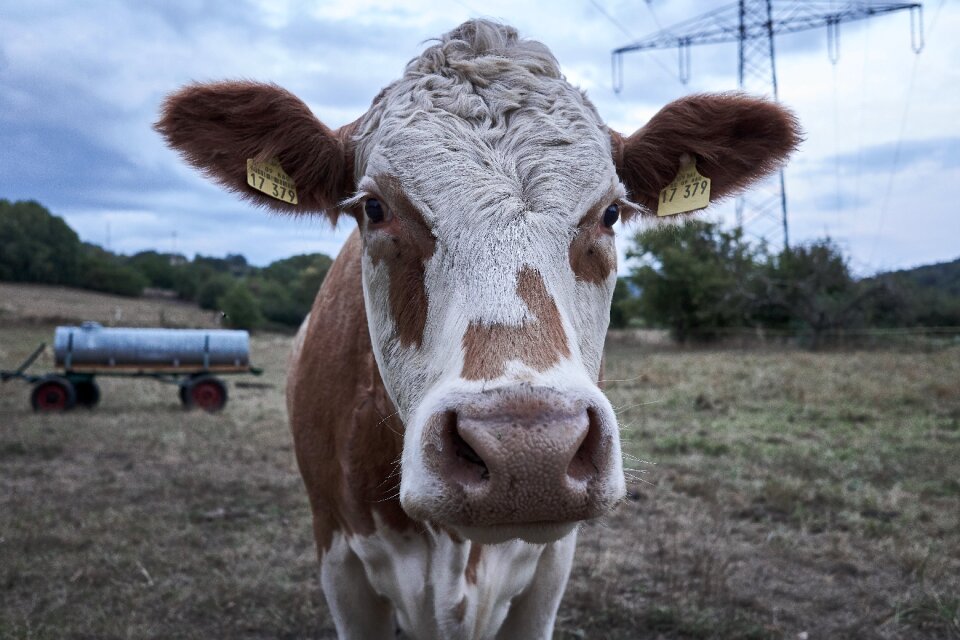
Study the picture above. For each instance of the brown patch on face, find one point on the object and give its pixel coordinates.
(460, 611)
(412, 245)
(473, 561)
(540, 343)
(347, 436)
(592, 256)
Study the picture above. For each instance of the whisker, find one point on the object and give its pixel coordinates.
(388, 426)
(625, 379)
(639, 404)
(392, 496)
(632, 479)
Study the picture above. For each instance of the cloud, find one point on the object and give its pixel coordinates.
(81, 84)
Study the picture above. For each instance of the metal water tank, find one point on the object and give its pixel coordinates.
(93, 346)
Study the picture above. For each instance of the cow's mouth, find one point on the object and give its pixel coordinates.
(532, 532)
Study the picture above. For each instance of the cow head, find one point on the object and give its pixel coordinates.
(486, 189)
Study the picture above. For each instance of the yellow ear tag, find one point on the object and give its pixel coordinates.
(689, 191)
(271, 179)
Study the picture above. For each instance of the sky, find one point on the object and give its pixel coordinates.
(81, 84)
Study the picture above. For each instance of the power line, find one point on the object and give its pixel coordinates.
(624, 30)
(753, 25)
(899, 145)
(653, 14)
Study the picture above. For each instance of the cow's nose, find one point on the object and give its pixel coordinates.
(522, 441)
(521, 454)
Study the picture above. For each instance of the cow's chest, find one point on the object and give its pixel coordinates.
(441, 588)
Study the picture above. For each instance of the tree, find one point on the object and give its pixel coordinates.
(622, 308)
(156, 267)
(37, 246)
(695, 278)
(101, 270)
(240, 307)
(275, 302)
(210, 292)
(809, 288)
(302, 274)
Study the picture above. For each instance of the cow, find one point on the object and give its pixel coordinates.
(444, 392)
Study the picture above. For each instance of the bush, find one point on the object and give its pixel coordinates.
(37, 246)
(276, 303)
(213, 289)
(694, 279)
(809, 288)
(100, 271)
(240, 308)
(157, 268)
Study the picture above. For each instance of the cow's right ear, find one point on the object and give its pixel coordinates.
(216, 127)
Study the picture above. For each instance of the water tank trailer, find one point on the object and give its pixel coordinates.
(193, 359)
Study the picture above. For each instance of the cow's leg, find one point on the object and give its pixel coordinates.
(359, 613)
(534, 611)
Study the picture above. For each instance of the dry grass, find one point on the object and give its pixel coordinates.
(140, 520)
(41, 304)
(781, 492)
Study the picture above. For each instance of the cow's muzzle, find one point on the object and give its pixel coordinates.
(522, 456)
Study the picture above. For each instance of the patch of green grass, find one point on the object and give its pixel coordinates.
(931, 612)
(684, 444)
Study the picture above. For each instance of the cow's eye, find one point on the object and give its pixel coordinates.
(375, 211)
(611, 215)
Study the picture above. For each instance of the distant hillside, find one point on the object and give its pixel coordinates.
(923, 296)
(943, 276)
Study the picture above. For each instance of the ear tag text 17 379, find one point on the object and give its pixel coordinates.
(270, 178)
(689, 191)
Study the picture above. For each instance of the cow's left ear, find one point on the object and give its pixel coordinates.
(217, 127)
(735, 140)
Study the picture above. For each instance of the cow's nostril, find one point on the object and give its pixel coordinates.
(583, 466)
(468, 465)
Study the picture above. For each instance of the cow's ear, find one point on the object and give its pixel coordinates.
(735, 140)
(217, 127)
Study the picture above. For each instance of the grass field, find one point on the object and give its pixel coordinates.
(772, 494)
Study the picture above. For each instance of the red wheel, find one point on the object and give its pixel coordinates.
(53, 394)
(207, 393)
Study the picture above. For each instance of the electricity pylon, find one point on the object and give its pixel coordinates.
(753, 24)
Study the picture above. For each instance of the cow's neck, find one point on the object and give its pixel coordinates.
(348, 437)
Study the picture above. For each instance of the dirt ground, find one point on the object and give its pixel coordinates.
(773, 494)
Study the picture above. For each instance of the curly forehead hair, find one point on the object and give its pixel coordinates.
(502, 91)
(481, 47)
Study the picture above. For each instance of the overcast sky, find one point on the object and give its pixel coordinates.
(80, 85)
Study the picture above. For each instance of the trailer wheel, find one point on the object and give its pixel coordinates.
(207, 393)
(53, 393)
(88, 393)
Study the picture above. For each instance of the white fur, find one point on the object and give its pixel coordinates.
(417, 580)
(503, 158)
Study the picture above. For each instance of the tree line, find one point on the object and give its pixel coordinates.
(702, 282)
(698, 280)
(37, 246)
